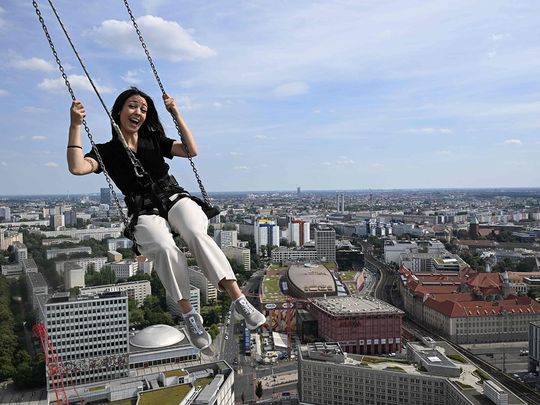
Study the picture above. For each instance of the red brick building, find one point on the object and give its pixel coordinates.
(360, 325)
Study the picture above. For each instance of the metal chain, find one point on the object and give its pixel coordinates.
(90, 137)
(137, 167)
(154, 70)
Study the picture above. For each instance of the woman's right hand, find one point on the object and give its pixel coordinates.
(77, 113)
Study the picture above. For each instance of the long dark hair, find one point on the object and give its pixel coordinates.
(151, 123)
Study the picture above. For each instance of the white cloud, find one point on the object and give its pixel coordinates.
(260, 137)
(344, 160)
(241, 168)
(166, 39)
(235, 153)
(132, 76)
(4, 164)
(498, 37)
(291, 89)
(78, 83)
(3, 92)
(39, 138)
(444, 153)
(513, 142)
(52, 164)
(217, 104)
(31, 64)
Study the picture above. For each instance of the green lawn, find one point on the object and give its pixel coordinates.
(177, 373)
(165, 396)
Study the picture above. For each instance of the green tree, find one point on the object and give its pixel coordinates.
(213, 330)
(259, 389)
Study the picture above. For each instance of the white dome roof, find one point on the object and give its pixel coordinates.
(157, 336)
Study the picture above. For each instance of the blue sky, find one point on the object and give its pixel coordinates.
(313, 94)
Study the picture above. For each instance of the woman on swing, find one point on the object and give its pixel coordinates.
(136, 115)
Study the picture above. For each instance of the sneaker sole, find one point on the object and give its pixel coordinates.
(256, 326)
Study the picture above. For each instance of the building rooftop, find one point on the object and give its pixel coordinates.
(157, 336)
(354, 305)
(312, 278)
(36, 280)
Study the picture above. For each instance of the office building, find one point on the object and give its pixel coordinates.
(360, 325)
(125, 269)
(105, 195)
(325, 243)
(90, 334)
(194, 299)
(55, 252)
(70, 218)
(208, 293)
(135, 290)
(36, 286)
(8, 237)
(226, 238)
(328, 376)
(73, 276)
(240, 255)
(94, 263)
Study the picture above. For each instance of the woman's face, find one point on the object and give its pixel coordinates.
(133, 114)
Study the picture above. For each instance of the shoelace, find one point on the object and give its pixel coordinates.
(194, 326)
(246, 306)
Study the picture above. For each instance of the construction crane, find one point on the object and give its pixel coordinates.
(54, 366)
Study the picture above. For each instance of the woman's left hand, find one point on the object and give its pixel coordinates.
(170, 104)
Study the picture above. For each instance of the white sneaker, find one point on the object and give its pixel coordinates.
(198, 337)
(244, 310)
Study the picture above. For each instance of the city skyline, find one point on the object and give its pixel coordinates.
(348, 96)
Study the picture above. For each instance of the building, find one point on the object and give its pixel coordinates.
(194, 299)
(73, 276)
(310, 280)
(284, 254)
(468, 307)
(20, 251)
(325, 243)
(225, 238)
(298, 231)
(125, 269)
(534, 346)
(328, 376)
(5, 214)
(56, 221)
(29, 266)
(36, 286)
(8, 237)
(91, 335)
(119, 243)
(208, 293)
(240, 255)
(266, 233)
(12, 270)
(136, 290)
(94, 263)
(105, 195)
(360, 325)
(84, 234)
(55, 252)
(70, 218)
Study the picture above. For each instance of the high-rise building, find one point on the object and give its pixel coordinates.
(298, 232)
(20, 251)
(70, 217)
(207, 290)
(91, 335)
(56, 221)
(226, 238)
(136, 290)
(105, 195)
(266, 233)
(73, 276)
(125, 269)
(5, 213)
(325, 243)
(240, 254)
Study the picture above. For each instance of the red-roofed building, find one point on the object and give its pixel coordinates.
(468, 307)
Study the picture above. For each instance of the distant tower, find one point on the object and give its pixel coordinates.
(298, 191)
(474, 228)
(342, 202)
(105, 196)
(370, 205)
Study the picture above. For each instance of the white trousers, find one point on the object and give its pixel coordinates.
(155, 241)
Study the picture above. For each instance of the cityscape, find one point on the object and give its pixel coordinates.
(357, 220)
(370, 297)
